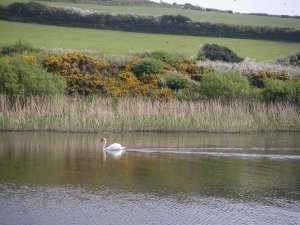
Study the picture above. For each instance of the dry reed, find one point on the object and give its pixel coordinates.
(62, 113)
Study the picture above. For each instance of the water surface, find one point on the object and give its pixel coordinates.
(162, 178)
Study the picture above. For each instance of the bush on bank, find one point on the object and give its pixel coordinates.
(158, 78)
(148, 66)
(281, 91)
(19, 77)
(225, 87)
(158, 75)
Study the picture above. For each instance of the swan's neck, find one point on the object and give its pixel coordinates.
(103, 144)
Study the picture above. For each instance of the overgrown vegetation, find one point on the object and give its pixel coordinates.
(80, 81)
(148, 66)
(62, 113)
(281, 91)
(155, 75)
(21, 77)
(19, 47)
(224, 87)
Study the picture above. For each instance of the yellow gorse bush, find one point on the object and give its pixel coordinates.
(132, 64)
(75, 62)
(165, 94)
(190, 68)
(83, 73)
(273, 75)
(88, 75)
(29, 58)
(129, 78)
(257, 78)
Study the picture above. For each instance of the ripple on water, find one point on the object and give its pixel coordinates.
(71, 205)
(251, 153)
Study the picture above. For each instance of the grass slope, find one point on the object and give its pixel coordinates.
(214, 17)
(119, 43)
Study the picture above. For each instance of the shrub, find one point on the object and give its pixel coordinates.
(164, 94)
(216, 52)
(19, 47)
(22, 78)
(83, 73)
(176, 81)
(257, 78)
(171, 59)
(76, 63)
(295, 58)
(190, 68)
(278, 90)
(29, 58)
(281, 60)
(148, 66)
(227, 86)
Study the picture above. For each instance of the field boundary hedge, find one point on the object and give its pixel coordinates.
(166, 24)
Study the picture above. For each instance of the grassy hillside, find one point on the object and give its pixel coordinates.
(117, 43)
(214, 17)
(104, 2)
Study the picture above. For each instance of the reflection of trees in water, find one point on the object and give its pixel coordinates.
(76, 159)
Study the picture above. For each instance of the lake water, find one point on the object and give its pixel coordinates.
(162, 178)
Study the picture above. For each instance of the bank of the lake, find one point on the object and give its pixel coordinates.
(61, 113)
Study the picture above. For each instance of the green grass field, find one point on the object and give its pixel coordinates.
(214, 17)
(120, 43)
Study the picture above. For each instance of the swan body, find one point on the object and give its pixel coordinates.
(115, 149)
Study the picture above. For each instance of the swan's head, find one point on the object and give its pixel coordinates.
(103, 140)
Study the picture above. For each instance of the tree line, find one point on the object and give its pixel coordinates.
(165, 24)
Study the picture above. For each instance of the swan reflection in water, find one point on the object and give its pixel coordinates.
(115, 150)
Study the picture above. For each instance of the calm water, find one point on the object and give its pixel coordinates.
(162, 178)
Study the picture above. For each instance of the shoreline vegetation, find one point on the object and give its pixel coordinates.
(150, 92)
(76, 114)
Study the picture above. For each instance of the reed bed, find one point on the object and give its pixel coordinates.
(61, 113)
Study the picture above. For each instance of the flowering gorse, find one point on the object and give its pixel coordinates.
(141, 76)
(159, 76)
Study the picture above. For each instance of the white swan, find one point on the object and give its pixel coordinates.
(115, 149)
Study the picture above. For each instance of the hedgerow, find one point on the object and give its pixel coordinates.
(164, 24)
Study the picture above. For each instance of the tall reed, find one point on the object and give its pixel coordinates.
(61, 113)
